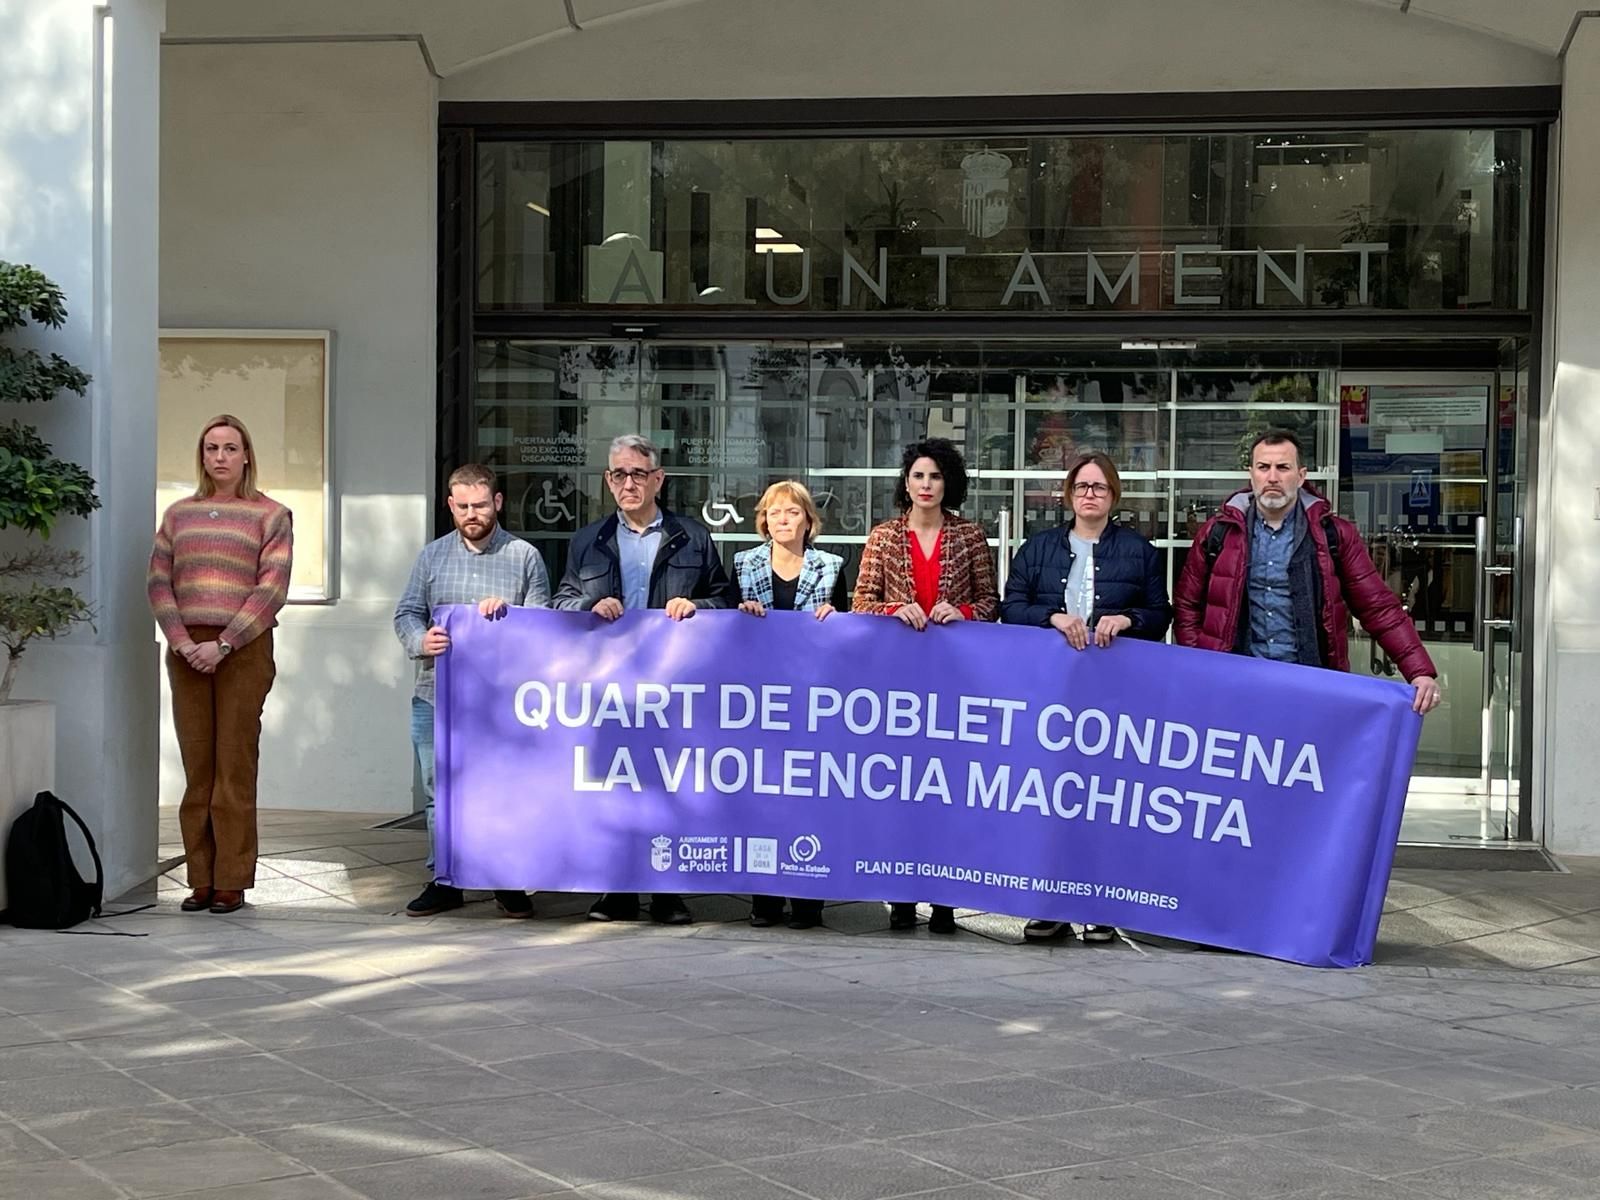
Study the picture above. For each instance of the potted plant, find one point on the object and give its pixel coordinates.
(36, 487)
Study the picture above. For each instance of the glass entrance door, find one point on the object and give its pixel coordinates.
(1433, 475)
(1429, 465)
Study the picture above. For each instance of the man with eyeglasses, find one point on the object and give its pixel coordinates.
(1277, 575)
(641, 557)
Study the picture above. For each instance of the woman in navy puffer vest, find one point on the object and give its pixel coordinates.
(1090, 580)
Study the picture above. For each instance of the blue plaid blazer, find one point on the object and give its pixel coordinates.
(814, 588)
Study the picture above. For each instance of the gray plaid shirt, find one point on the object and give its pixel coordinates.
(448, 572)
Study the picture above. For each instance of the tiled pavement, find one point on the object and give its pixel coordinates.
(317, 1045)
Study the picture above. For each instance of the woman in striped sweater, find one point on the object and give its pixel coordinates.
(218, 576)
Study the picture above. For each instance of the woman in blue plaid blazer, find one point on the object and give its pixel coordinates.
(789, 574)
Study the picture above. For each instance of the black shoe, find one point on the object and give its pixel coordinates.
(615, 906)
(943, 919)
(1098, 935)
(902, 916)
(670, 910)
(805, 914)
(435, 898)
(514, 904)
(765, 912)
(1046, 931)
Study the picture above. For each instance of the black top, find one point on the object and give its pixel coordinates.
(783, 591)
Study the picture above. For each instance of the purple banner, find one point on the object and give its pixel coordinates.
(1203, 796)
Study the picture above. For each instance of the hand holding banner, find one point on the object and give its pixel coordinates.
(1203, 796)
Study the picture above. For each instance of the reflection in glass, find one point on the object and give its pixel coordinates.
(1431, 220)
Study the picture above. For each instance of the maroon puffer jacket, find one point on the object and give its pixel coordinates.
(1207, 610)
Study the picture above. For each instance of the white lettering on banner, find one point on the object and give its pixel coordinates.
(920, 776)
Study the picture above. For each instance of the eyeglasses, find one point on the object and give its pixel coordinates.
(637, 475)
(1091, 489)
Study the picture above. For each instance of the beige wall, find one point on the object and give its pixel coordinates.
(298, 192)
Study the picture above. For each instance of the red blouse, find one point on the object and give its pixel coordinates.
(925, 575)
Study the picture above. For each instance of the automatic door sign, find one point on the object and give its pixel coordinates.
(709, 513)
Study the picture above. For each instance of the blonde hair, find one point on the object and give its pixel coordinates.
(247, 477)
(789, 489)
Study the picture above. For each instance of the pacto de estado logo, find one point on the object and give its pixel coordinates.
(805, 848)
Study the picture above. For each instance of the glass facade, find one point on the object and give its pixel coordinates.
(1394, 220)
(1233, 282)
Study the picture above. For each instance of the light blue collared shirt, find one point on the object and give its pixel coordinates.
(1272, 627)
(636, 552)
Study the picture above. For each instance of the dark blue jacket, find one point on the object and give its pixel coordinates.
(687, 565)
(1129, 581)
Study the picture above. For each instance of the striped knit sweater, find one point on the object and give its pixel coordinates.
(221, 561)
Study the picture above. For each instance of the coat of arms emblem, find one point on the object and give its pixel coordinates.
(661, 852)
(985, 192)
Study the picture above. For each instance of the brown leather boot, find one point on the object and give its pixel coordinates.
(225, 901)
(197, 900)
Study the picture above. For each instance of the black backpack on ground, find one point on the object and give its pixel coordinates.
(42, 881)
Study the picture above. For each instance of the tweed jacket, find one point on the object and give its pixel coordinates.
(966, 569)
(818, 576)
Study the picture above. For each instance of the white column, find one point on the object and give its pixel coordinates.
(1569, 472)
(78, 200)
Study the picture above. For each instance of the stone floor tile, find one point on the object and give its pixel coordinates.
(223, 1162)
(1363, 1098)
(354, 1060)
(608, 1155)
(58, 1180)
(1368, 1148)
(1017, 1097)
(311, 1103)
(1107, 1180)
(17, 1146)
(341, 1145)
(862, 1172)
(501, 1043)
(1131, 1129)
(1008, 1148)
(708, 1183)
(1250, 1170)
(87, 1134)
(460, 1175)
(920, 1066)
(80, 1091)
(1467, 1083)
(224, 1077)
(890, 1114)
(513, 1121)
(464, 1083)
(42, 1059)
(793, 1079)
(1127, 1081)
(1578, 1108)
(1486, 1129)
(667, 1098)
(1246, 1113)
(1244, 1066)
(724, 1052)
(758, 1133)
(1496, 1179)
(297, 1187)
(581, 1069)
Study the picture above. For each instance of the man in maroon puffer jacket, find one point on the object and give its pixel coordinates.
(1262, 579)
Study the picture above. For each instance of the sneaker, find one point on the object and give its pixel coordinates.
(670, 910)
(1045, 931)
(615, 906)
(943, 919)
(515, 904)
(1099, 935)
(436, 898)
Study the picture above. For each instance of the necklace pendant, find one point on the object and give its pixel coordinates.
(213, 514)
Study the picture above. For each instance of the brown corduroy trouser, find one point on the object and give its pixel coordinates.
(218, 720)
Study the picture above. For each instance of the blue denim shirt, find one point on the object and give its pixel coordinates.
(636, 554)
(1272, 632)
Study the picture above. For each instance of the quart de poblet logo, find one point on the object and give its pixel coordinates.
(716, 854)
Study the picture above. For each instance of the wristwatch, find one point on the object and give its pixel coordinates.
(224, 648)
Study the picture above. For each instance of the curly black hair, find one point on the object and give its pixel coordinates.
(951, 465)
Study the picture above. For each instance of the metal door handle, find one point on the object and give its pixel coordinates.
(1480, 580)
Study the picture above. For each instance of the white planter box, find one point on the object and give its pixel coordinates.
(27, 762)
